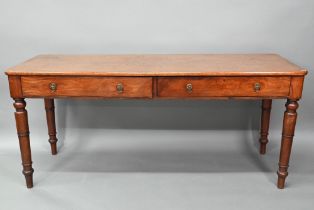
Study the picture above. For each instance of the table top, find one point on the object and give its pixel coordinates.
(159, 65)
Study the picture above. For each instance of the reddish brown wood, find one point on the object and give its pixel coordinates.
(266, 109)
(223, 86)
(296, 88)
(155, 87)
(50, 115)
(23, 135)
(162, 77)
(289, 122)
(159, 65)
(15, 87)
(133, 87)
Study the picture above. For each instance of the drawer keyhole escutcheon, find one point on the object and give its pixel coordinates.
(53, 87)
(119, 87)
(189, 88)
(257, 87)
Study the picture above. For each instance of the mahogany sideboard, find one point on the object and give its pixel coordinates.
(199, 76)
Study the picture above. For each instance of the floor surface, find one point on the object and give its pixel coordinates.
(156, 169)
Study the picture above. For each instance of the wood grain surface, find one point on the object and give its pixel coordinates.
(38, 86)
(223, 86)
(158, 65)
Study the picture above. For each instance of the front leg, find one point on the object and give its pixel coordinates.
(23, 135)
(289, 121)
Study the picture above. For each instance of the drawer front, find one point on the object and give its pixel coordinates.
(111, 87)
(223, 86)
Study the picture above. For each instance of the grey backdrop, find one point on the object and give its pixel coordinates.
(32, 27)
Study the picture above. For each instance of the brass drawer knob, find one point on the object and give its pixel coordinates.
(189, 87)
(119, 87)
(53, 87)
(257, 87)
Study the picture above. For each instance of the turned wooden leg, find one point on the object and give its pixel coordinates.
(289, 122)
(50, 114)
(23, 134)
(266, 108)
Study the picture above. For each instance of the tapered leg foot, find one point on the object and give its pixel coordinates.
(29, 178)
(50, 115)
(281, 179)
(289, 122)
(266, 109)
(23, 134)
(262, 149)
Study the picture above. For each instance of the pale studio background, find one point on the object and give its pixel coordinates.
(156, 154)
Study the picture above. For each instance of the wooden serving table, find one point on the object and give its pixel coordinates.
(209, 76)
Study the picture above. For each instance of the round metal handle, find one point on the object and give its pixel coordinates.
(119, 87)
(53, 86)
(257, 87)
(189, 87)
